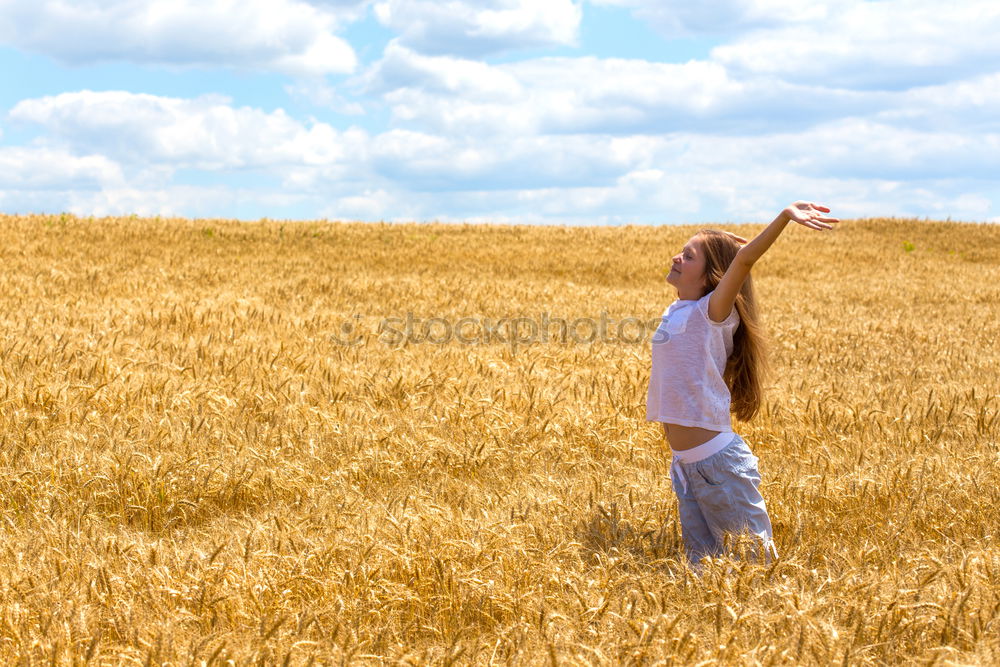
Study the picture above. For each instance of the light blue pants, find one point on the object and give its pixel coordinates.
(717, 497)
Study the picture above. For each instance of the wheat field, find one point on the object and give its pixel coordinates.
(216, 447)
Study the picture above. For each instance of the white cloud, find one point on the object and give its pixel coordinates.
(864, 148)
(288, 36)
(588, 94)
(652, 197)
(860, 44)
(966, 106)
(461, 77)
(890, 44)
(318, 92)
(432, 162)
(202, 133)
(168, 200)
(101, 151)
(118, 152)
(860, 167)
(26, 168)
(799, 105)
(367, 205)
(480, 27)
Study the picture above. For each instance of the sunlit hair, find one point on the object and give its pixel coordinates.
(748, 363)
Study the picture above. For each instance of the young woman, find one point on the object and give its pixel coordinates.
(707, 361)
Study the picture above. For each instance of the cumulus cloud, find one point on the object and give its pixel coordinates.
(480, 27)
(42, 169)
(372, 204)
(124, 144)
(966, 106)
(43, 179)
(118, 152)
(289, 36)
(588, 94)
(656, 197)
(803, 101)
(166, 200)
(860, 166)
(840, 150)
(201, 133)
(890, 44)
(434, 162)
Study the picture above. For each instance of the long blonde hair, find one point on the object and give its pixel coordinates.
(748, 363)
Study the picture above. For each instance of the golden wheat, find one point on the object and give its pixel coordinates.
(194, 471)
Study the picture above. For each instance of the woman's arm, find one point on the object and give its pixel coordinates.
(804, 213)
(720, 304)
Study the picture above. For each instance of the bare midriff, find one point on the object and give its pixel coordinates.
(685, 437)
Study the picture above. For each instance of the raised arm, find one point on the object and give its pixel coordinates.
(810, 215)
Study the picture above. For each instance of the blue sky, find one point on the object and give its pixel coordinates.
(560, 112)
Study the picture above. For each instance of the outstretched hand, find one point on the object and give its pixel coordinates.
(809, 215)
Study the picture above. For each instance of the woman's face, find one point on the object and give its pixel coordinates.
(687, 271)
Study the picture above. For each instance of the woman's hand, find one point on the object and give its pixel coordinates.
(803, 212)
(809, 214)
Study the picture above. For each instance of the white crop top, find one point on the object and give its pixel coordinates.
(688, 360)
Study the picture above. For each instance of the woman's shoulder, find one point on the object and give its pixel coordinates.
(731, 320)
